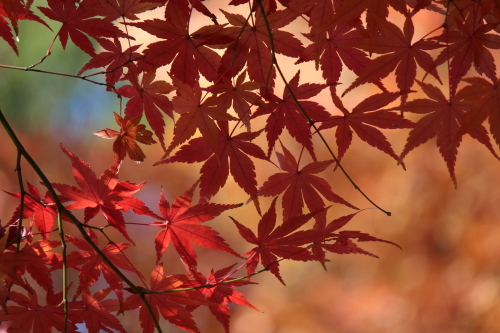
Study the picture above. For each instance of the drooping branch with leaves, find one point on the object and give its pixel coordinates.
(208, 96)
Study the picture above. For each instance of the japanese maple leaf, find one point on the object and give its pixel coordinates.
(94, 312)
(363, 120)
(181, 227)
(443, 120)
(253, 46)
(149, 98)
(343, 240)
(274, 242)
(126, 9)
(221, 293)
(341, 46)
(10, 260)
(90, 264)
(114, 58)
(77, 19)
(400, 54)
(41, 209)
(300, 185)
(239, 95)
(15, 10)
(37, 261)
(125, 143)
(232, 155)
(104, 194)
(178, 48)
(171, 305)
(196, 114)
(486, 104)
(469, 44)
(32, 317)
(284, 112)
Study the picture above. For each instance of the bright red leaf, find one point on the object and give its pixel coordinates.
(182, 228)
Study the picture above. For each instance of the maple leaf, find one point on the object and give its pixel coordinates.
(94, 311)
(36, 261)
(171, 305)
(363, 120)
(15, 10)
(299, 186)
(147, 98)
(90, 264)
(232, 155)
(9, 261)
(31, 317)
(220, 293)
(182, 228)
(195, 115)
(126, 9)
(179, 48)
(104, 194)
(130, 132)
(253, 46)
(77, 20)
(400, 54)
(340, 46)
(115, 60)
(468, 44)
(343, 243)
(284, 112)
(485, 96)
(42, 209)
(443, 120)
(238, 95)
(280, 242)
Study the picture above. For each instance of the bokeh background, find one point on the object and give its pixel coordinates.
(445, 279)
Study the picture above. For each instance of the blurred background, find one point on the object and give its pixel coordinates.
(445, 279)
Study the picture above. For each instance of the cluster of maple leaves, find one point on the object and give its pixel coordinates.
(222, 78)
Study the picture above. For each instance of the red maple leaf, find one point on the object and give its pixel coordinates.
(443, 120)
(469, 44)
(232, 155)
(126, 9)
(340, 46)
(149, 98)
(37, 260)
(363, 120)
(90, 264)
(171, 305)
(239, 95)
(114, 58)
(10, 260)
(31, 317)
(94, 312)
(196, 114)
(180, 49)
(125, 143)
(253, 45)
(342, 240)
(78, 19)
(400, 54)
(15, 10)
(299, 186)
(485, 98)
(104, 194)
(42, 209)
(278, 242)
(182, 228)
(284, 112)
(221, 293)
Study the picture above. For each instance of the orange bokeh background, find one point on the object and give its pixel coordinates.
(445, 279)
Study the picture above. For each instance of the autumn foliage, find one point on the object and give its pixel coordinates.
(223, 87)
